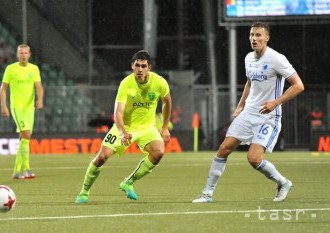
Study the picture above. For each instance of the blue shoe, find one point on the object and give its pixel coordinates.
(81, 199)
(126, 187)
(282, 191)
(203, 198)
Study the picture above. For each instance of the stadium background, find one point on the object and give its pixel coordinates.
(83, 49)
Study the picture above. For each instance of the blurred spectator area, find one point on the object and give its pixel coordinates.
(7, 47)
(67, 107)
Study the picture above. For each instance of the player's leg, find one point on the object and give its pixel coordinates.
(25, 153)
(25, 136)
(154, 147)
(92, 172)
(143, 168)
(255, 158)
(217, 168)
(17, 174)
(155, 151)
(240, 130)
(265, 139)
(111, 144)
(23, 121)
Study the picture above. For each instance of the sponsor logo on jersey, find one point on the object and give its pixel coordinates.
(258, 74)
(140, 104)
(23, 81)
(258, 77)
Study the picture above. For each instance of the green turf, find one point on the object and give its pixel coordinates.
(46, 204)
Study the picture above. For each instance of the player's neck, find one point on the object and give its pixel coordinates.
(145, 81)
(24, 64)
(259, 53)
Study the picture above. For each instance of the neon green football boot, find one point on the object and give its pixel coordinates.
(81, 199)
(127, 187)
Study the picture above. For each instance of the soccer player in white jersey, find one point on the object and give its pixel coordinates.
(258, 114)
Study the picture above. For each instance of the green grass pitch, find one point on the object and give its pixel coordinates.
(242, 200)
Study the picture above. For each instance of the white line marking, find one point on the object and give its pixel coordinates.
(161, 214)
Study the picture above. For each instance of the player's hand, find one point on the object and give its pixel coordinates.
(237, 111)
(267, 107)
(126, 139)
(39, 104)
(5, 112)
(165, 133)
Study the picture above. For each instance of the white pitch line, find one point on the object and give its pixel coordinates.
(161, 214)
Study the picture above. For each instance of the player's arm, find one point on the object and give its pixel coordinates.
(166, 111)
(241, 102)
(119, 120)
(295, 89)
(40, 95)
(3, 96)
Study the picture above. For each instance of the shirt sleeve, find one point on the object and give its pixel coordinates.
(37, 77)
(121, 94)
(283, 66)
(6, 75)
(165, 89)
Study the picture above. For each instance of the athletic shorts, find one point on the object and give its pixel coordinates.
(142, 138)
(24, 119)
(256, 128)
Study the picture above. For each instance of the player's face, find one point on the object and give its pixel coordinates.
(141, 70)
(23, 55)
(258, 39)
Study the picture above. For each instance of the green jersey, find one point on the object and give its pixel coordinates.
(21, 80)
(141, 100)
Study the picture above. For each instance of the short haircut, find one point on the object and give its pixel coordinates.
(261, 25)
(141, 55)
(23, 46)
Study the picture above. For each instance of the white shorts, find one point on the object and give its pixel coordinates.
(256, 128)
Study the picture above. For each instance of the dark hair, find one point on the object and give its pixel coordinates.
(261, 25)
(141, 55)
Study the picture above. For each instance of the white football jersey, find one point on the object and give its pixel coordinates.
(267, 75)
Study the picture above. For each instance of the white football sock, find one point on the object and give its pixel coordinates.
(218, 166)
(270, 171)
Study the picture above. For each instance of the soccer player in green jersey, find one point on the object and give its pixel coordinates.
(23, 79)
(135, 109)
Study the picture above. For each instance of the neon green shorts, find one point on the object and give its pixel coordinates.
(24, 119)
(142, 138)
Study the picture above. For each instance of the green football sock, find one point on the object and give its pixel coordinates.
(18, 160)
(144, 167)
(25, 151)
(91, 174)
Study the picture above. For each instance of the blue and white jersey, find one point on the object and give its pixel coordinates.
(267, 75)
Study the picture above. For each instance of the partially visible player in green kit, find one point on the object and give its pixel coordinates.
(135, 110)
(23, 79)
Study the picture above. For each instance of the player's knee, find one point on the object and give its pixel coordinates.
(99, 160)
(224, 150)
(102, 157)
(254, 161)
(25, 135)
(156, 156)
